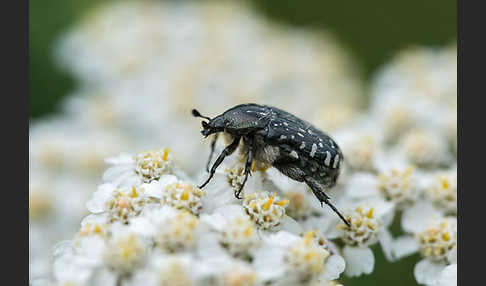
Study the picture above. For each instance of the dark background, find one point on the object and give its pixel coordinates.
(373, 31)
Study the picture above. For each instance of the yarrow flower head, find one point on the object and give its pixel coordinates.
(424, 148)
(183, 195)
(361, 152)
(289, 259)
(437, 243)
(239, 274)
(364, 228)
(125, 253)
(239, 236)
(40, 202)
(266, 210)
(398, 186)
(120, 204)
(438, 240)
(443, 191)
(93, 228)
(398, 120)
(151, 165)
(306, 258)
(299, 206)
(178, 233)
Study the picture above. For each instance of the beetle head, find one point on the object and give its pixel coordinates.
(212, 126)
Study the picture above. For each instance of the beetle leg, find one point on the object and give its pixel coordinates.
(249, 159)
(213, 144)
(323, 198)
(227, 151)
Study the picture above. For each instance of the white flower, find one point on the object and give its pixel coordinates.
(361, 152)
(438, 247)
(266, 210)
(369, 222)
(425, 148)
(124, 253)
(239, 274)
(438, 240)
(443, 191)
(416, 217)
(299, 207)
(144, 167)
(173, 269)
(40, 202)
(295, 259)
(120, 204)
(237, 233)
(178, 233)
(399, 186)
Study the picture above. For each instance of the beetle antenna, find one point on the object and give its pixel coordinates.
(196, 113)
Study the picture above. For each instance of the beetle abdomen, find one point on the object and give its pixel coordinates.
(303, 139)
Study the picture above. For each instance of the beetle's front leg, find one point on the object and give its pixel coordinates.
(227, 151)
(213, 144)
(249, 160)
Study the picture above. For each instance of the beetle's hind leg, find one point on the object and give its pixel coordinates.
(227, 151)
(323, 198)
(249, 160)
(213, 145)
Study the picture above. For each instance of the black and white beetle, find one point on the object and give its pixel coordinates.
(277, 138)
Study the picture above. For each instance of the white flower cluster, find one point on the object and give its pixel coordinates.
(153, 232)
(144, 65)
(141, 67)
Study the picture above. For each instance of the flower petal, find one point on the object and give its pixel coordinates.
(269, 262)
(386, 242)
(358, 260)
(97, 203)
(290, 225)
(416, 218)
(335, 265)
(427, 272)
(404, 246)
(448, 276)
(361, 185)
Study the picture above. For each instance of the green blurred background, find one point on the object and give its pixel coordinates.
(373, 31)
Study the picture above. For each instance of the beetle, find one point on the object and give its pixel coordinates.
(277, 138)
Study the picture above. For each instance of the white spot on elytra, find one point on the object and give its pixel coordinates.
(313, 150)
(282, 137)
(292, 136)
(275, 124)
(336, 161)
(300, 134)
(294, 154)
(327, 161)
(309, 131)
(301, 130)
(320, 145)
(286, 124)
(322, 174)
(302, 146)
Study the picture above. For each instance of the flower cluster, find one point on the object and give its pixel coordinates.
(141, 67)
(147, 222)
(152, 232)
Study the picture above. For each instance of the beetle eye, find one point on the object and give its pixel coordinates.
(204, 124)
